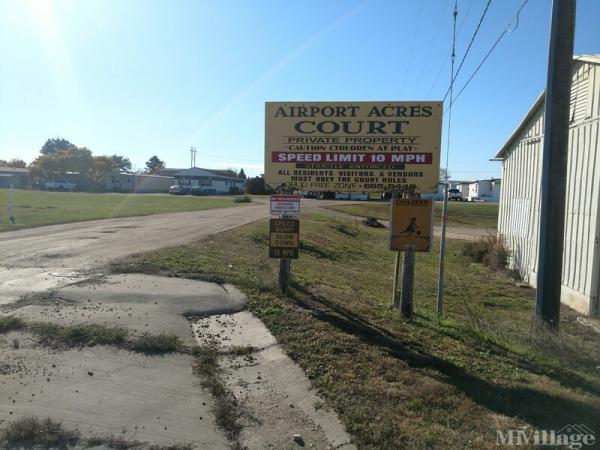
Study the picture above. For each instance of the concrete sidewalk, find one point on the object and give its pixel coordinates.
(104, 390)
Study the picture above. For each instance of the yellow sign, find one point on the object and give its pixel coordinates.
(353, 146)
(411, 225)
(284, 238)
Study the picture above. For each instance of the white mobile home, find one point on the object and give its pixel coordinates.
(137, 182)
(484, 190)
(518, 220)
(210, 181)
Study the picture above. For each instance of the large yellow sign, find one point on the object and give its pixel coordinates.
(411, 225)
(353, 146)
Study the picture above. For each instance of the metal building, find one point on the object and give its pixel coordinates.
(518, 220)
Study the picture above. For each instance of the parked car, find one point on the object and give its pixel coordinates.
(178, 189)
(455, 194)
(198, 190)
(59, 185)
(352, 196)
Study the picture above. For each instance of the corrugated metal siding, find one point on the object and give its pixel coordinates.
(579, 92)
(520, 199)
(519, 215)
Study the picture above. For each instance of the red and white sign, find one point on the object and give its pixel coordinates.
(285, 205)
(352, 157)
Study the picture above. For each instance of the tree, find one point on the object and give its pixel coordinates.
(54, 145)
(241, 174)
(444, 174)
(154, 164)
(102, 166)
(74, 161)
(17, 163)
(120, 163)
(257, 186)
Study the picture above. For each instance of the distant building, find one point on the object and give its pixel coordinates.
(210, 181)
(18, 177)
(436, 196)
(483, 190)
(518, 221)
(137, 183)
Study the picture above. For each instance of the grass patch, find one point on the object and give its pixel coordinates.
(489, 251)
(30, 432)
(90, 335)
(37, 208)
(157, 343)
(468, 214)
(397, 384)
(343, 228)
(10, 323)
(78, 335)
(243, 199)
(226, 408)
(34, 433)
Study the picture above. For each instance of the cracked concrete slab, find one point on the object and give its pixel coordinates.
(18, 282)
(140, 303)
(273, 390)
(106, 391)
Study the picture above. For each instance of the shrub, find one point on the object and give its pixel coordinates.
(157, 343)
(243, 199)
(490, 252)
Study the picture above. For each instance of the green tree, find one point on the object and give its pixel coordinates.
(102, 166)
(154, 164)
(120, 163)
(54, 145)
(257, 186)
(76, 162)
(241, 174)
(17, 163)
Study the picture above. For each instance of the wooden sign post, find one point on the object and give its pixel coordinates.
(284, 235)
(410, 231)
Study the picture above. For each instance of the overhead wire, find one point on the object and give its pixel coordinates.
(449, 53)
(485, 10)
(440, 289)
(491, 50)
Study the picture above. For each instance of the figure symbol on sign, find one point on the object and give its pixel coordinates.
(411, 227)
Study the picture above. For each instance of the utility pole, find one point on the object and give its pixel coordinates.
(554, 165)
(441, 267)
(193, 156)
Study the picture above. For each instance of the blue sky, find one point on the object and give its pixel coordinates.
(145, 77)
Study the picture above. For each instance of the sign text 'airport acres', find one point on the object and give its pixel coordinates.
(284, 238)
(411, 225)
(285, 205)
(349, 147)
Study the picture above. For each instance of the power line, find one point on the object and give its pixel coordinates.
(450, 52)
(506, 30)
(485, 10)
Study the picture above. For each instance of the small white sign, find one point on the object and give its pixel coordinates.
(285, 205)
